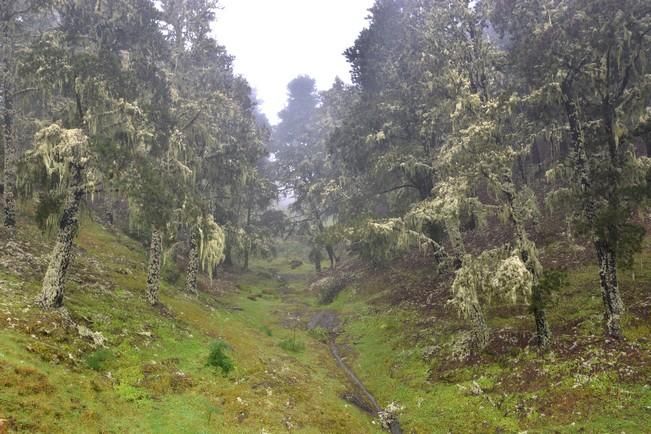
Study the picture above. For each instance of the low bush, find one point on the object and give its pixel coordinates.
(98, 359)
(219, 359)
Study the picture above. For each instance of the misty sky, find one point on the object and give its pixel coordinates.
(275, 41)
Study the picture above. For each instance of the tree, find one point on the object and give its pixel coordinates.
(65, 154)
(13, 15)
(88, 92)
(592, 57)
(301, 163)
(215, 120)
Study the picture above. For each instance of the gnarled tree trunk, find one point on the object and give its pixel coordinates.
(479, 332)
(315, 257)
(8, 132)
(54, 280)
(193, 264)
(155, 259)
(613, 304)
(245, 266)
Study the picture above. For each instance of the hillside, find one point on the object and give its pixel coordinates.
(143, 369)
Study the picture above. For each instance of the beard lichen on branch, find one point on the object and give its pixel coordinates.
(491, 275)
(212, 241)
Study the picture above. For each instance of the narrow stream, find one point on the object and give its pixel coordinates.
(330, 321)
(394, 425)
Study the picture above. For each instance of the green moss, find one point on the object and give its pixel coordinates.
(156, 379)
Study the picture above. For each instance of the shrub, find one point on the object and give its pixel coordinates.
(218, 357)
(97, 359)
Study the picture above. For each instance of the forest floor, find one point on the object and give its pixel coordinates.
(392, 328)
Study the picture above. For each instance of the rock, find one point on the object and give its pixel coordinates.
(98, 339)
(330, 286)
(475, 389)
(389, 417)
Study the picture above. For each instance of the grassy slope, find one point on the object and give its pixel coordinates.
(582, 385)
(155, 378)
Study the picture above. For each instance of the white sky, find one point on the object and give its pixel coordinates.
(274, 41)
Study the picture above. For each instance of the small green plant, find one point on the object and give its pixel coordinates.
(131, 393)
(292, 345)
(97, 359)
(218, 357)
(267, 330)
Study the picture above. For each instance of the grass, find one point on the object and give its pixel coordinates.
(292, 345)
(97, 360)
(593, 388)
(153, 377)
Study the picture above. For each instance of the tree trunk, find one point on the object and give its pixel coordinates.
(245, 267)
(331, 256)
(456, 240)
(316, 257)
(153, 275)
(9, 133)
(193, 264)
(479, 332)
(108, 203)
(228, 253)
(543, 334)
(613, 304)
(54, 280)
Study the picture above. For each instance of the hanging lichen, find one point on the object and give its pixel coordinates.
(490, 275)
(512, 281)
(58, 148)
(381, 240)
(212, 241)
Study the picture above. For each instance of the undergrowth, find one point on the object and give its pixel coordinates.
(219, 359)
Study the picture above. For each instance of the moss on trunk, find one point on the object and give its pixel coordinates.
(9, 138)
(193, 264)
(613, 304)
(153, 274)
